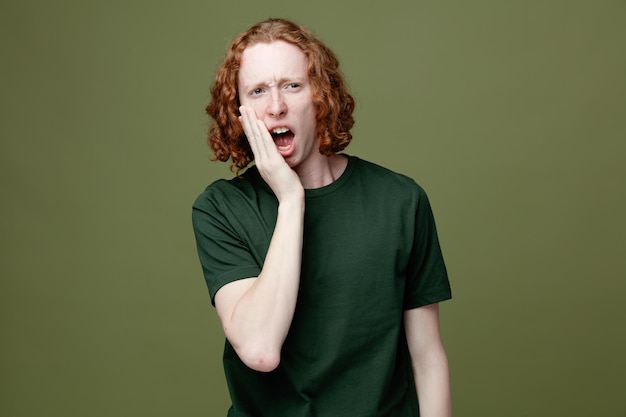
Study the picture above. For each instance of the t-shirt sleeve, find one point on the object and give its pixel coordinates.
(427, 277)
(223, 255)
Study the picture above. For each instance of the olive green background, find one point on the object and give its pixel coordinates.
(512, 115)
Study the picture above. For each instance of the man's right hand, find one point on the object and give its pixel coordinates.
(283, 180)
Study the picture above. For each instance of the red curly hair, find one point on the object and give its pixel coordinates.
(333, 104)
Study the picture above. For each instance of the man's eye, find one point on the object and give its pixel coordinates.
(257, 91)
(293, 85)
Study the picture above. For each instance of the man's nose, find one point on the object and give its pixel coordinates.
(277, 106)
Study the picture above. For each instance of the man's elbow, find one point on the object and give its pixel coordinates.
(262, 361)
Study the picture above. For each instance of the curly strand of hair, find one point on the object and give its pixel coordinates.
(334, 105)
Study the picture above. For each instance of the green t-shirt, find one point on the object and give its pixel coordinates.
(370, 252)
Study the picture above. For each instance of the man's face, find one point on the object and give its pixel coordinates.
(274, 81)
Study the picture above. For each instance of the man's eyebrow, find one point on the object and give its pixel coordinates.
(280, 81)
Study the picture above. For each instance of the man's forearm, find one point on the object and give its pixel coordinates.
(432, 381)
(260, 319)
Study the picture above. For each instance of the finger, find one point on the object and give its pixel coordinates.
(265, 139)
(251, 129)
(247, 124)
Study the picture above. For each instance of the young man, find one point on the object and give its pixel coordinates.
(325, 270)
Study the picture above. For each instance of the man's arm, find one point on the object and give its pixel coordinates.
(429, 361)
(256, 313)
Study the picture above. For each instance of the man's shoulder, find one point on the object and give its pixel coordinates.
(382, 176)
(224, 191)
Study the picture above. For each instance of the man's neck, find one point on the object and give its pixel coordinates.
(324, 172)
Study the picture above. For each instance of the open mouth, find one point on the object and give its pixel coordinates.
(283, 138)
